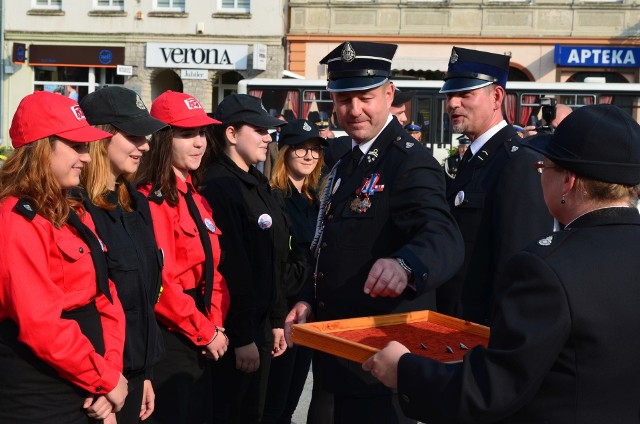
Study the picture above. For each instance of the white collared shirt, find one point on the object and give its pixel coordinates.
(364, 147)
(479, 142)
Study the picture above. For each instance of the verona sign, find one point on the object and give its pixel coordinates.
(197, 56)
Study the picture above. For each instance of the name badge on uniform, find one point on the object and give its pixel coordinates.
(209, 224)
(459, 198)
(265, 221)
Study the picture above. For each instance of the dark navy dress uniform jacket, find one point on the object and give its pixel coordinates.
(408, 218)
(563, 346)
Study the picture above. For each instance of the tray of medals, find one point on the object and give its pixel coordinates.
(425, 333)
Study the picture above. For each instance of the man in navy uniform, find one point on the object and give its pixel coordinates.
(496, 197)
(399, 104)
(414, 130)
(452, 162)
(386, 238)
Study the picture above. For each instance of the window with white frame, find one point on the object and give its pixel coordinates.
(109, 4)
(234, 6)
(47, 4)
(169, 5)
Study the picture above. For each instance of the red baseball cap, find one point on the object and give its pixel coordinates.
(180, 110)
(43, 114)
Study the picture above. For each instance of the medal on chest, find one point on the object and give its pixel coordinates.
(362, 202)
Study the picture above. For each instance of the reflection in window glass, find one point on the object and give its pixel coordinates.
(170, 4)
(48, 4)
(235, 5)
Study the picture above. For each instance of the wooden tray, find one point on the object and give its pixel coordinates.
(337, 337)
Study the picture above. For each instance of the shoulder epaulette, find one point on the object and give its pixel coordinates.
(156, 196)
(26, 209)
(405, 143)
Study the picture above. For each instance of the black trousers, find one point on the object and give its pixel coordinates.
(372, 410)
(238, 397)
(31, 392)
(130, 412)
(181, 383)
(287, 376)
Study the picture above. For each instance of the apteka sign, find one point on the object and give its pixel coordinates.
(197, 56)
(597, 56)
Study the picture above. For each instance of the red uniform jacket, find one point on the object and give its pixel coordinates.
(43, 272)
(177, 236)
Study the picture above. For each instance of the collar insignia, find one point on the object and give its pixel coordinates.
(514, 149)
(545, 241)
(408, 145)
(372, 155)
(306, 127)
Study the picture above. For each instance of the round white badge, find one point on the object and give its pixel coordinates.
(209, 224)
(265, 221)
(459, 198)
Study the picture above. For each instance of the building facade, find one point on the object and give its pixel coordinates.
(548, 40)
(199, 47)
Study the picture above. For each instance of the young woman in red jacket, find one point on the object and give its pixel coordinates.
(194, 297)
(61, 323)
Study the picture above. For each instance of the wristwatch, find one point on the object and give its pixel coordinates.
(406, 267)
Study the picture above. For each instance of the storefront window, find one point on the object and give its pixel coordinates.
(74, 82)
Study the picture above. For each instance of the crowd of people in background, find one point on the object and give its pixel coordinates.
(160, 257)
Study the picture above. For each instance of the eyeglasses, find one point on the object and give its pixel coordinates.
(540, 167)
(301, 152)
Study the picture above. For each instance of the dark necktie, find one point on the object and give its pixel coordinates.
(97, 254)
(464, 161)
(356, 155)
(206, 245)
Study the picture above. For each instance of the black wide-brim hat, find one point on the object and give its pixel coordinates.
(601, 142)
(298, 131)
(358, 65)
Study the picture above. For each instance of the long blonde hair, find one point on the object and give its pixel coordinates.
(27, 174)
(95, 175)
(280, 176)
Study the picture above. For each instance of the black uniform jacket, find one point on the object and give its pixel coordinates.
(135, 265)
(503, 210)
(255, 245)
(302, 216)
(408, 218)
(563, 346)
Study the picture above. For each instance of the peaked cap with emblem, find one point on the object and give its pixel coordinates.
(601, 142)
(463, 140)
(413, 127)
(471, 69)
(358, 65)
(298, 131)
(122, 108)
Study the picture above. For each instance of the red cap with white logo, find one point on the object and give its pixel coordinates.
(44, 114)
(180, 110)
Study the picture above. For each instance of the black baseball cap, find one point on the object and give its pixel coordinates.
(122, 108)
(237, 108)
(601, 142)
(298, 131)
